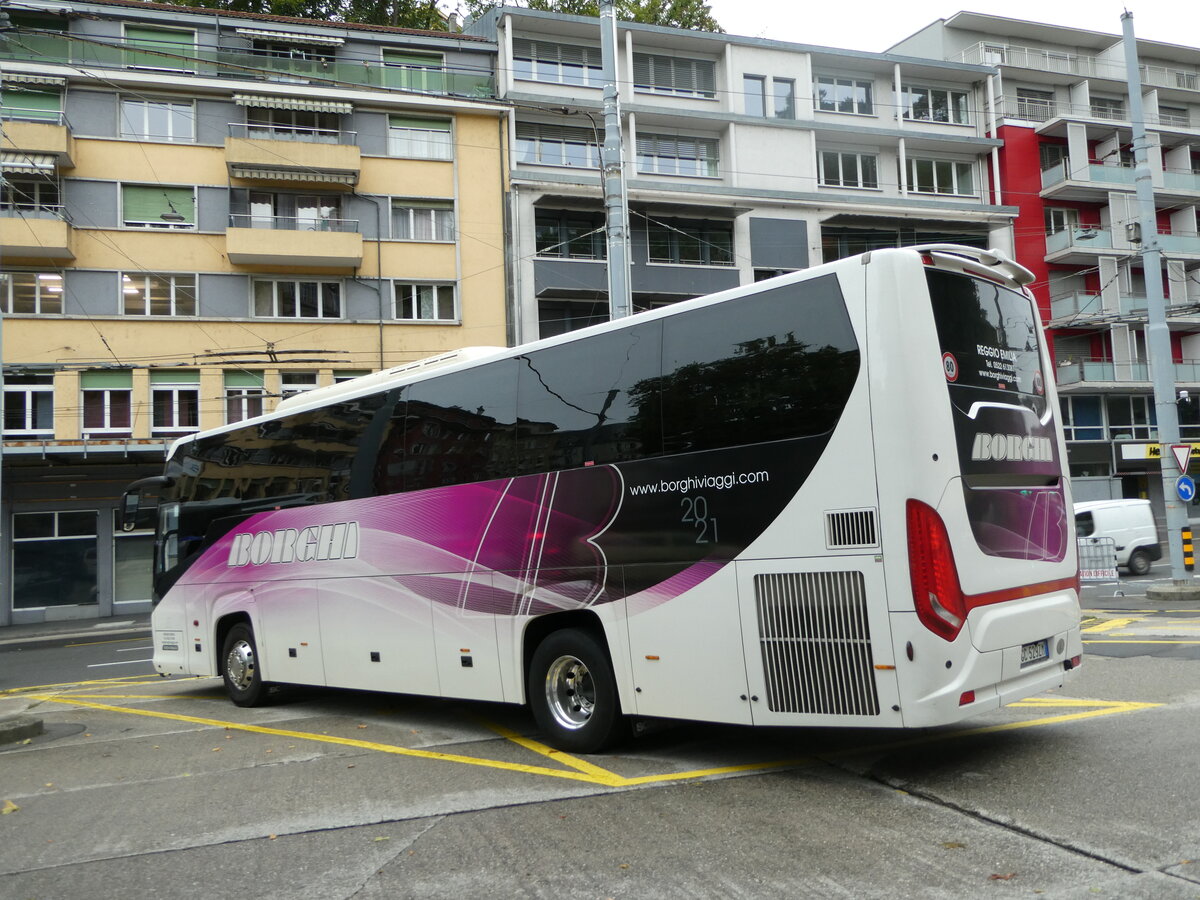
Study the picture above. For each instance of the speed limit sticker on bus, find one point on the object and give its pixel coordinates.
(950, 366)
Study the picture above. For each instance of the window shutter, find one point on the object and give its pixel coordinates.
(116, 378)
(239, 379)
(643, 70)
(32, 104)
(174, 376)
(148, 203)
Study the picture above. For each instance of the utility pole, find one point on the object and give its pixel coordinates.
(620, 302)
(1158, 336)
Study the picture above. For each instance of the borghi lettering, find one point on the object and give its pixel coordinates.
(1012, 447)
(291, 545)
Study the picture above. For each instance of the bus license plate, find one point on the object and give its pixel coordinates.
(1031, 653)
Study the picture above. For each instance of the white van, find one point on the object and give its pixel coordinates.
(1130, 523)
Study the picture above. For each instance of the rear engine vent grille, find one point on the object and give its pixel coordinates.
(851, 528)
(816, 643)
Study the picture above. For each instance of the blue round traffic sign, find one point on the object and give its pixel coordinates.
(1185, 487)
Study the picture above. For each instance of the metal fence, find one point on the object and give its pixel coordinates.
(1097, 559)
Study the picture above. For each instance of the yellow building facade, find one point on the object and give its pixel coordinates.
(203, 213)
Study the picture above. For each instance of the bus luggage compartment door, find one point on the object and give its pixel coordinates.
(817, 644)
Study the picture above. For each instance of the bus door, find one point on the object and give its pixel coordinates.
(287, 631)
(817, 641)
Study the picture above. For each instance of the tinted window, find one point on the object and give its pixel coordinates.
(770, 366)
(1085, 525)
(586, 402)
(459, 427)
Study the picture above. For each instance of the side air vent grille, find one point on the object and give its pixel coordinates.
(851, 528)
(816, 643)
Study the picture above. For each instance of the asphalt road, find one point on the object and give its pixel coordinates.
(159, 787)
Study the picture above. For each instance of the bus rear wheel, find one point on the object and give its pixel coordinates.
(239, 667)
(573, 693)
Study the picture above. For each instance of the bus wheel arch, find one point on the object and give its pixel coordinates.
(570, 684)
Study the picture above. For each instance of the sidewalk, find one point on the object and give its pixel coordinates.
(74, 629)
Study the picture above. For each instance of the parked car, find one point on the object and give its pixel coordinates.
(1130, 523)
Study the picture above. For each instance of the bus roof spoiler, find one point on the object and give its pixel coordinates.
(993, 259)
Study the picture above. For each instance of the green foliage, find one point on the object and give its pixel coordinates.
(694, 14)
(421, 14)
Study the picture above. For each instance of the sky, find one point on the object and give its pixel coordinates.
(875, 25)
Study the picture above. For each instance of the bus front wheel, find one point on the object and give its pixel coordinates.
(573, 693)
(239, 667)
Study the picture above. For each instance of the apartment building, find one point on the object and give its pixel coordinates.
(203, 212)
(1060, 104)
(744, 158)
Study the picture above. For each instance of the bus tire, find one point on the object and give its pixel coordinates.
(573, 693)
(239, 667)
(1139, 562)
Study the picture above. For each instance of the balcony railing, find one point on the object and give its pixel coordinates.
(1101, 370)
(292, 223)
(1179, 242)
(986, 53)
(292, 133)
(33, 210)
(48, 116)
(1079, 238)
(247, 65)
(1085, 305)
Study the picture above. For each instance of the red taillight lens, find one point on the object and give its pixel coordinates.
(936, 591)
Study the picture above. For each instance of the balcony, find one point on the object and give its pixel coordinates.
(1096, 372)
(1181, 180)
(46, 135)
(1065, 181)
(30, 231)
(1179, 244)
(1080, 245)
(292, 155)
(1082, 307)
(247, 65)
(293, 241)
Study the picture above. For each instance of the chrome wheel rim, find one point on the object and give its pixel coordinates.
(570, 692)
(239, 665)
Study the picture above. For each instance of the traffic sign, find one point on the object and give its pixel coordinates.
(1183, 453)
(1185, 487)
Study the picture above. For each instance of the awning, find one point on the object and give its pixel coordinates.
(27, 162)
(19, 78)
(327, 106)
(292, 37)
(265, 173)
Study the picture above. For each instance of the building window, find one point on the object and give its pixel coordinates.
(288, 299)
(418, 220)
(31, 105)
(1108, 108)
(31, 293)
(420, 138)
(133, 561)
(844, 95)
(1173, 115)
(570, 235)
(159, 48)
(243, 395)
(174, 402)
(158, 295)
(1082, 418)
(858, 170)
(560, 316)
(297, 382)
(1130, 418)
(1051, 155)
(783, 90)
(153, 206)
(31, 195)
(754, 89)
(420, 72)
(157, 120)
(936, 105)
(54, 559)
(939, 176)
(425, 302)
(342, 377)
(28, 405)
(291, 212)
(293, 125)
(689, 243)
(673, 75)
(1060, 219)
(107, 403)
(557, 63)
(290, 60)
(665, 154)
(557, 145)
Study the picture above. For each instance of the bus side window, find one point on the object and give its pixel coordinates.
(1085, 525)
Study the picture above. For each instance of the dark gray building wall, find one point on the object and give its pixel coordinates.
(224, 296)
(91, 204)
(212, 208)
(778, 243)
(371, 213)
(92, 293)
(91, 113)
(213, 118)
(372, 131)
(560, 276)
(362, 299)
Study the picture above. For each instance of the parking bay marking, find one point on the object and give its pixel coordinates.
(584, 771)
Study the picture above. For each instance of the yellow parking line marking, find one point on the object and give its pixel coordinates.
(1108, 626)
(587, 772)
(68, 685)
(114, 641)
(330, 739)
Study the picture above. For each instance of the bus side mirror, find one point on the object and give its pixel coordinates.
(131, 501)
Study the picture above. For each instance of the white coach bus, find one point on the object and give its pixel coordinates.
(834, 498)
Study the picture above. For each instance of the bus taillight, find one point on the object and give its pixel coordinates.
(936, 591)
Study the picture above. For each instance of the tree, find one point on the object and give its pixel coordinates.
(421, 14)
(694, 14)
